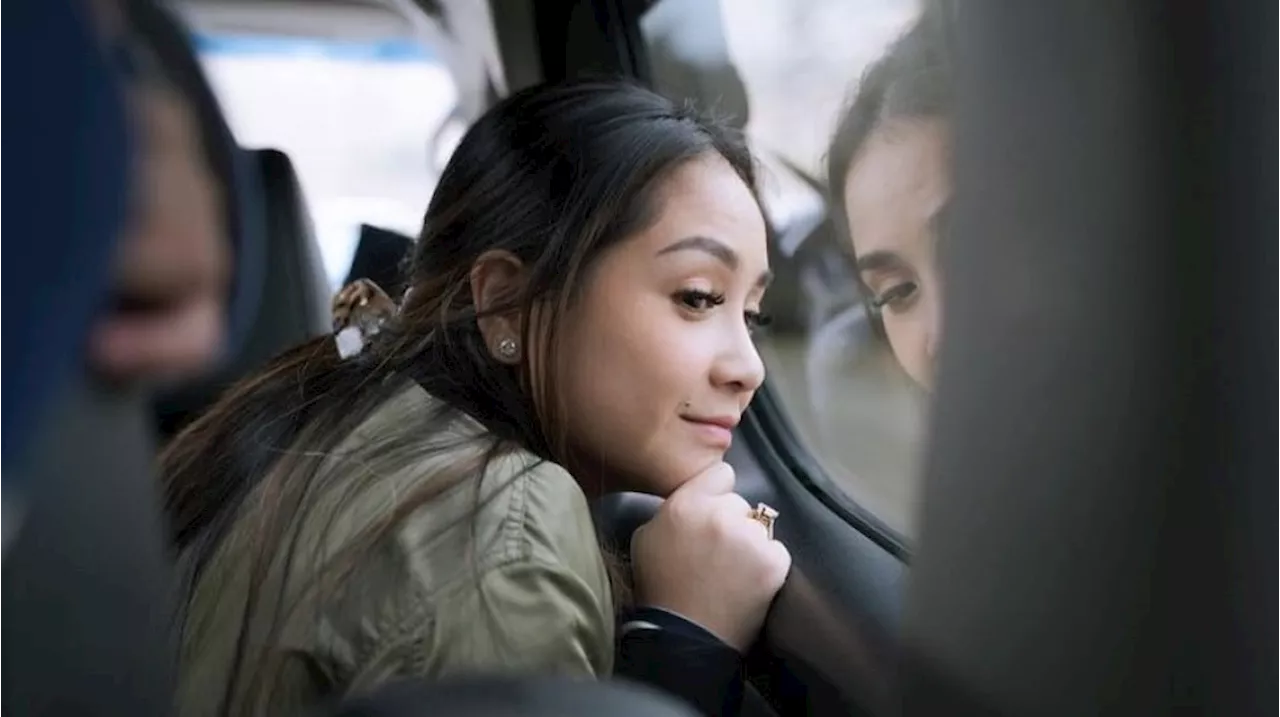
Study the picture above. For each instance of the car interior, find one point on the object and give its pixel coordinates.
(1086, 525)
(800, 671)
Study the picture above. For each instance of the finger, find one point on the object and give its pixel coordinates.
(716, 480)
(759, 529)
(734, 518)
(637, 539)
(780, 558)
(733, 503)
(158, 346)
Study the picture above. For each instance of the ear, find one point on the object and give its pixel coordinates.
(497, 280)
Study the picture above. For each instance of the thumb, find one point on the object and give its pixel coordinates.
(637, 538)
(716, 480)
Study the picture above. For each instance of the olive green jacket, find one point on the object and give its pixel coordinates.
(502, 574)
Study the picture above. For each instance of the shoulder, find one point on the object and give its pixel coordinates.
(538, 595)
(467, 501)
(524, 511)
(502, 567)
(543, 510)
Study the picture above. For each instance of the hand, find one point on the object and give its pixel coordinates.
(172, 274)
(703, 557)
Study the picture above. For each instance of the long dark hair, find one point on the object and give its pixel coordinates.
(555, 175)
(912, 80)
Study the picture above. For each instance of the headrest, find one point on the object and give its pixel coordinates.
(295, 302)
(380, 257)
(294, 298)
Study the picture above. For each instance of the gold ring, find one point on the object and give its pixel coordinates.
(764, 515)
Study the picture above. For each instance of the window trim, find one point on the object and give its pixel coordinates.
(773, 438)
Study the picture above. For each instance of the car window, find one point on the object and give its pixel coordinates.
(368, 125)
(785, 71)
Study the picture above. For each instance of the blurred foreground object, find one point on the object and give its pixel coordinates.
(513, 697)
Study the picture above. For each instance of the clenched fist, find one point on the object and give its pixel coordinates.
(703, 557)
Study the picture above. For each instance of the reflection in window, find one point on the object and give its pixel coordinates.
(787, 70)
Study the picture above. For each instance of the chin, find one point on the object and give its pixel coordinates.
(662, 487)
(649, 486)
(693, 466)
(665, 477)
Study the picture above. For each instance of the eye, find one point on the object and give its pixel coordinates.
(896, 297)
(698, 300)
(757, 320)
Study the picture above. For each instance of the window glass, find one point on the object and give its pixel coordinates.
(786, 71)
(367, 123)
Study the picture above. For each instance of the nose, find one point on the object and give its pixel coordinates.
(739, 368)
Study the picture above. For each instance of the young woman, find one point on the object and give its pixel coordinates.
(889, 174)
(409, 496)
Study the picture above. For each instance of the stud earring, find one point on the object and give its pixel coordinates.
(507, 348)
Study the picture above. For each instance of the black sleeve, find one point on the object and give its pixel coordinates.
(679, 657)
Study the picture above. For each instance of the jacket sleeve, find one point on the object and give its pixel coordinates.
(525, 617)
(668, 652)
(515, 586)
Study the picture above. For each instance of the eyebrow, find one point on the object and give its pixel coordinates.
(879, 260)
(717, 249)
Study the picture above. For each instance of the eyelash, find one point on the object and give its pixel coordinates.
(895, 294)
(699, 300)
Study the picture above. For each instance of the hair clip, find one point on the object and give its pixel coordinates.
(360, 310)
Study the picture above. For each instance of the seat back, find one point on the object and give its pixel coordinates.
(86, 577)
(380, 256)
(295, 302)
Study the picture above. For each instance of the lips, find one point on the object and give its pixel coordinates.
(716, 431)
(726, 422)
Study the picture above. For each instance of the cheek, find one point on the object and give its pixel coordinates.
(635, 348)
(906, 338)
(622, 383)
(611, 377)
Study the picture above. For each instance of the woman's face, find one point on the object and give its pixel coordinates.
(896, 195)
(657, 358)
